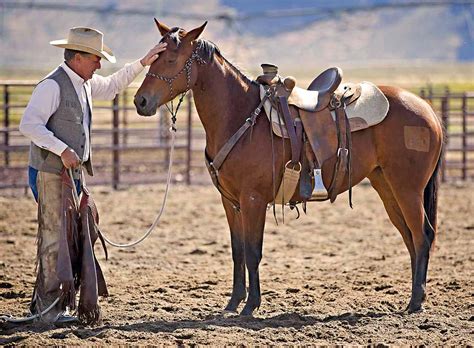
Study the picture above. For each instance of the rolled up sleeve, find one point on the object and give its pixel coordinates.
(105, 88)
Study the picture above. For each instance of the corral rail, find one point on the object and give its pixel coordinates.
(129, 149)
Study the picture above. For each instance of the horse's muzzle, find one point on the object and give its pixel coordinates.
(146, 105)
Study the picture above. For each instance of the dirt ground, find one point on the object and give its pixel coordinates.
(333, 276)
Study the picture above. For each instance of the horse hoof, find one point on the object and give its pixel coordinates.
(230, 309)
(246, 312)
(232, 305)
(248, 309)
(415, 308)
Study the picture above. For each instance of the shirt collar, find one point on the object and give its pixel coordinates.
(76, 80)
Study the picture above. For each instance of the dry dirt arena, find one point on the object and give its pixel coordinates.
(334, 276)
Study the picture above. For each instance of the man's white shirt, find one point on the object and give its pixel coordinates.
(45, 101)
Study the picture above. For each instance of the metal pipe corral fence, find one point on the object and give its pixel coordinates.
(129, 149)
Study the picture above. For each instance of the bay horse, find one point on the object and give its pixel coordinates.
(406, 179)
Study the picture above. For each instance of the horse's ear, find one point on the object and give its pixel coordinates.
(164, 29)
(194, 34)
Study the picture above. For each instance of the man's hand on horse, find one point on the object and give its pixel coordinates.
(153, 54)
(70, 158)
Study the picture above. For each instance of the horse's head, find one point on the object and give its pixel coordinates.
(172, 73)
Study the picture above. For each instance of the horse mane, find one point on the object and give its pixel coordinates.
(206, 50)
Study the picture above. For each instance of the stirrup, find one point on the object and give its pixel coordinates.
(319, 191)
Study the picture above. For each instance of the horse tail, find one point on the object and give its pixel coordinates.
(430, 201)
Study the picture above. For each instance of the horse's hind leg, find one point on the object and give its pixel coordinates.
(238, 256)
(409, 196)
(394, 212)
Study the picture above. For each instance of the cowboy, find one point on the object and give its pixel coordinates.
(57, 120)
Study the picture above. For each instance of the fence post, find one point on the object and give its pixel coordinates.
(125, 116)
(115, 142)
(422, 93)
(445, 121)
(189, 138)
(430, 93)
(6, 123)
(464, 136)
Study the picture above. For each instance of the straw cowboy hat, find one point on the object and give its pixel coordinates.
(86, 40)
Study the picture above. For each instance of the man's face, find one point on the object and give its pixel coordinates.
(87, 64)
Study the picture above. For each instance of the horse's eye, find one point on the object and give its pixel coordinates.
(171, 61)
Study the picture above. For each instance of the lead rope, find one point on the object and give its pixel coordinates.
(10, 319)
(173, 112)
(168, 181)
(172, 129)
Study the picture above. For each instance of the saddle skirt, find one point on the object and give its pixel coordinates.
(368, 110)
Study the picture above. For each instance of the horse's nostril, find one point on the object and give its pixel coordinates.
(142, 101)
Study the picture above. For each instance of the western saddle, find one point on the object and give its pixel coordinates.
(311, 127)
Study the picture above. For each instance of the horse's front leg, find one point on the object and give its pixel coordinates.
(238, 255)
(253, 210)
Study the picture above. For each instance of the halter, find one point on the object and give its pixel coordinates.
(187, 67)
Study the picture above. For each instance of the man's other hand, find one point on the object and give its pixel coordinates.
(153, 54)
(70, 158)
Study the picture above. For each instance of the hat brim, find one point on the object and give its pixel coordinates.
(106, 53)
